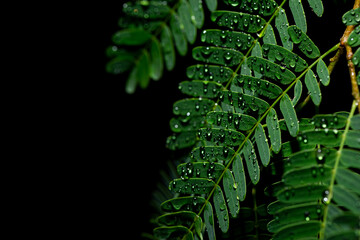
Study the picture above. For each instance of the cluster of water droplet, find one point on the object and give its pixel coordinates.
(200, 88)
(147, 9)
(218, 74)
(216, 55)
(352, 18)
(238, 21)
(228, 39)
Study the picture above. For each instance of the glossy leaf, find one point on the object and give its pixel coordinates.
(269, 37)
(289, 114)
(150, 10)
(308, 230)
(313, 87)
(221, 209)
(349, 158)
(243, 103)
(120, 63)
(239, 176)
(229, 39)
(297, 93)
(317, 7)
(156, 63)
(185, 18)
(168, 48)
(238, 21)
(197, 12)
(347, 199)
(307, 175)
(234, 121)
(200, 88)
(139, 74)
(183, 203)
(258, 86)
(348, 179)
(284, 57)
(212, 154)
(272, 123)
(131, 37)
(351, 17)
(200, 170)
(192, 186)
(217, 55)
(211, 4)
(178, 34)
(262, 145)
(261, 7)
(356, 58)
(301, 194)
(219, 74)
(185, 123)
(354, 37)
(298, 13)
(306, 45)
(230, 187)
(181, 140)
(355, 122)
(193, 107)
(251, 162)
(323, 72)
(184, 218)
(224, 137)
(271, 70)
(209, 221)
(282, 25)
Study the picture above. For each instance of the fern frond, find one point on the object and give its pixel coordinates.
(318, 185)
(156, 29)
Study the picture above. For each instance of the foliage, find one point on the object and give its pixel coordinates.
(240, 121)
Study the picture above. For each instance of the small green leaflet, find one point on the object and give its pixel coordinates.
(230, 187)
(218, 136)
(229, 39)
(356, 58)
(131, 37)
(317, 7)
(323, 72)
(354, 37)
(193, 107)
(282, 25)
(306, 230)
(262, 145)
(200, 88)
(306, 45)
(251, 162)
(179, 37)
(351, 17)
(185, 123)
(168, 48)
(209, 221)
(297, 92)
(239, 175)
(157, 63)
(257, 86)
(217, 55)
(139, 74)
(274, 131)
(192, 186)
(211, 4)
(289, 114)
(219, 74)
(269, 36)
(181, 140)
(146, 9)
(185, 18)
(188, 203)
(177, 218)
(313, 87)
(298, 14)
(197, 13)
(221, 209)
(228, 120)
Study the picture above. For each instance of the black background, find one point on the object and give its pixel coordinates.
(131, 130)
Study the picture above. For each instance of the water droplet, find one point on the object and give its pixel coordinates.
(307, 215)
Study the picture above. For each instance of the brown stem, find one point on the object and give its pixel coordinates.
(349, 55)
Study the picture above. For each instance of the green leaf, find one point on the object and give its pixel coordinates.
(185, 123)
(209, 221)
(307, 175)
(346, 199)
(243, 103)
(323, 72)
(221, 209)
(150, 10)
(216, 136)
(313, 87)
(131, 37)
(179, 37)
(272, 123)
(251, 162)
(200, 170)
(356, 58)
(300, 213)
(349, 158)
(331, 121)
(211, 4)
(269, 37)
(284, 57)
(351, 17)
(261, 7)
(217, 55)
(181, 140)
(300, 194)
(306, 45)
(256, 52)
(297, 93)
(184, 218)
(200, 88)
(189, 203)
(219, 154)
(239, 175)
(317, 7)
(156, 63)
(330, 138)
(298, 13)
(219, 74)
(238, 21)
(271, 70)
(258, 86)
(354, 37)
(120, 63)
(197, 13)
(191, 186)
(229, 39)
(289, 114)
(355, 122)
(348, 179)
(193, 107)
(282, 25)
(139, 74)
(262, 145)
(234, 121)
(230, 187)
(308, 230)
(168, 48)
(172, 232)
(185, 18)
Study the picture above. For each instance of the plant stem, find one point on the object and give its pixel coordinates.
(337, 161)
(349, 55)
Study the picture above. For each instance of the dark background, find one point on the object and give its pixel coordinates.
(132, 129)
